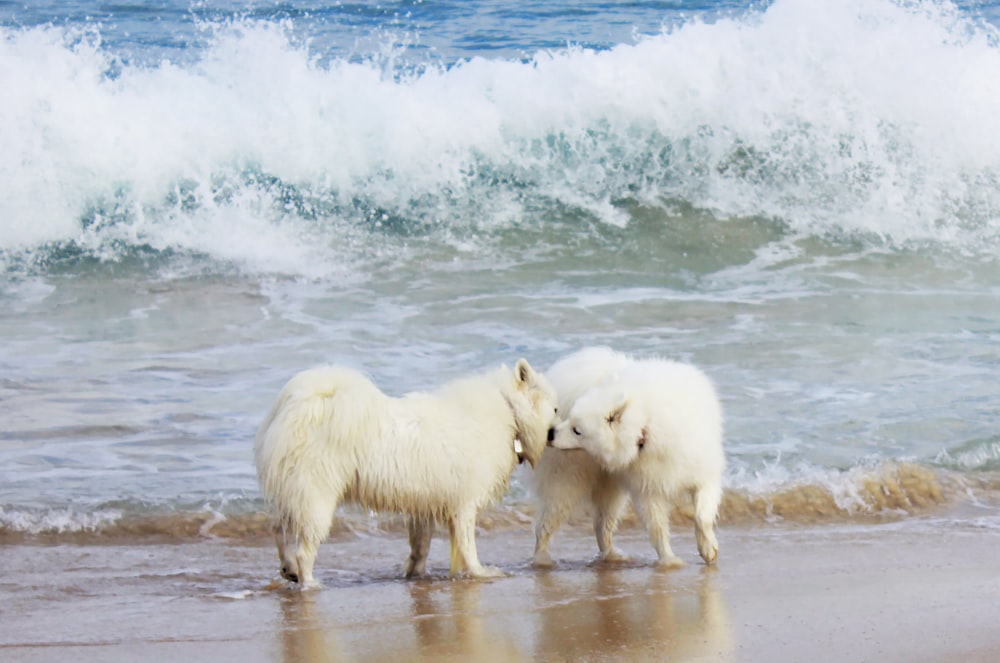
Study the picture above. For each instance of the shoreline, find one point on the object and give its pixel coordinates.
(921, 589)
(891, 492)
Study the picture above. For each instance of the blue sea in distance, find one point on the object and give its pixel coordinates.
(199, 199)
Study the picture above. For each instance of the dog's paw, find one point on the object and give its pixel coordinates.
(487, 572)
(543, 561)
(614, 555)
(708, 548)
(671, 562)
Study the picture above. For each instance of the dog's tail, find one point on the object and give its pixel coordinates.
(307, 445)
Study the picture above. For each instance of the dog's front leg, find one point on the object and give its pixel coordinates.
(551, 516)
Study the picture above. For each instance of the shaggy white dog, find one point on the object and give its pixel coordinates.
(648, 429)
(333, 437)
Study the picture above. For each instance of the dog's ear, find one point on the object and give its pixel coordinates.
(615, 416)
(524, 373)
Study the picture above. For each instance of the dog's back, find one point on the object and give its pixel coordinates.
(333, 436)
(682, 406)
(576, 373)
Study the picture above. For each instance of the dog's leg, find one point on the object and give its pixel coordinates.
(286, 541)
(310, 529)
(455, 566)
(297, 552)
(706, 510)
(654, 511)
(462, 527)
(550, 517)
(555, 511)
(420, 544)
(609, 502)
(562, 482)
(305, 557)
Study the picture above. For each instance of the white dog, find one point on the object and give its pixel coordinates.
(333, 436)
(651, 430)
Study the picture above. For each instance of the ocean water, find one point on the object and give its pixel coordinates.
(199, 199)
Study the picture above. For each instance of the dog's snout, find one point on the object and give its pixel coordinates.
(552, 435)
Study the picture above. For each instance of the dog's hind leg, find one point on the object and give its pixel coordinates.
(462, 527)
(609, 502)
(287, 541)
(654, 511)
(296, 553)
(706, 509)
(302, 538)
(305, 557)
(421, 529)
(456, 566)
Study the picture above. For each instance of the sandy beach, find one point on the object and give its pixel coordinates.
(923, 589)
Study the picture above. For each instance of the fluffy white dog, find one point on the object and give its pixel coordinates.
(333, 437)
(648, 429)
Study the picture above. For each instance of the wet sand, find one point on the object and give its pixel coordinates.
(920, 590)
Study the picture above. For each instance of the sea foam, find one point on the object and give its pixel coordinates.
(871, 119)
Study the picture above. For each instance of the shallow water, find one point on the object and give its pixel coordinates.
(915, 589)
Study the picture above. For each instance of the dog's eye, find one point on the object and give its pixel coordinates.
(576, 431)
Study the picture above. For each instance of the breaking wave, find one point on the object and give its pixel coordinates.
(792, 113)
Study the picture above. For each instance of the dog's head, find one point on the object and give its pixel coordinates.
(534, 403)
(605, 424)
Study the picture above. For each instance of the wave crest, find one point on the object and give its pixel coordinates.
(744, 117)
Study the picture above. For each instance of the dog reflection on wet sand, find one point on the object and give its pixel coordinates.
(628, 613)
(305, 637)
(632, 615)
(451, 625)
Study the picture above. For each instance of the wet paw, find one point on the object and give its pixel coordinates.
(708, 548)
(543, 561)
(615, 555)
(487, 572)
(672, 562)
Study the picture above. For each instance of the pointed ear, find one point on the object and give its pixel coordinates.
(524, 373)
(615, 416)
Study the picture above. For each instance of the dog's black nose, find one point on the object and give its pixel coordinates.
(552, 434)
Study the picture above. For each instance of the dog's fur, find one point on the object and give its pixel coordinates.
(648, 429)
(333, 437)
